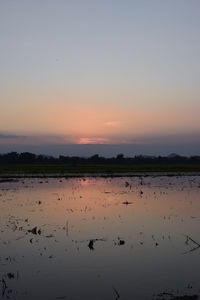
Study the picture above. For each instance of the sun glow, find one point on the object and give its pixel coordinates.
(87, 140)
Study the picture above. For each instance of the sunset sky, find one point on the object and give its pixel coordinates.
(100, 72)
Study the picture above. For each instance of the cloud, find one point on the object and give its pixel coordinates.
(31, 139)
(11, 136)
(53, 139)
(93, 140)
(111, 123)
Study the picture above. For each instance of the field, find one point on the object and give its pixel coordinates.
(110, 169)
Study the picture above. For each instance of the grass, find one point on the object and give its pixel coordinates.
(96, 168)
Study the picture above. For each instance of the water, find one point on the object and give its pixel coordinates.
(99, 238)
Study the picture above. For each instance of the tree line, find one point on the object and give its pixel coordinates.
(30, 158)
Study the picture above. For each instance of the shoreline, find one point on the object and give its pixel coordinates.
(4, 176)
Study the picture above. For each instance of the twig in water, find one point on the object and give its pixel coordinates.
(4, 286)
(67, 228)
(116, 292)
(188, 238)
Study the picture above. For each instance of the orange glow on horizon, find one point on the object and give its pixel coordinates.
(87, 140)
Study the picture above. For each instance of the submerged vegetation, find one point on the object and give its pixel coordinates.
(25, 163)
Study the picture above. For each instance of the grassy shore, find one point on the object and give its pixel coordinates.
(97, 168)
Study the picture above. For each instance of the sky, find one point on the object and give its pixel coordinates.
(100, 72)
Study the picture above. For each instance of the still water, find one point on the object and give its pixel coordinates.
(100, 238)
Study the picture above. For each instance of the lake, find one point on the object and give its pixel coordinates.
(100, 238)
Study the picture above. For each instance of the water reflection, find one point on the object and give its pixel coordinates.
(95, 238)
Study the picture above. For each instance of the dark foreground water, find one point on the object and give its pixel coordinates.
(120, 238)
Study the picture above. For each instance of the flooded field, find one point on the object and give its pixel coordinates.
(100, 238)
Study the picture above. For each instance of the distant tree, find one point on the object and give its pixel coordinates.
(94, 158)
(120, 157)
(27, 157)
(11, 157)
